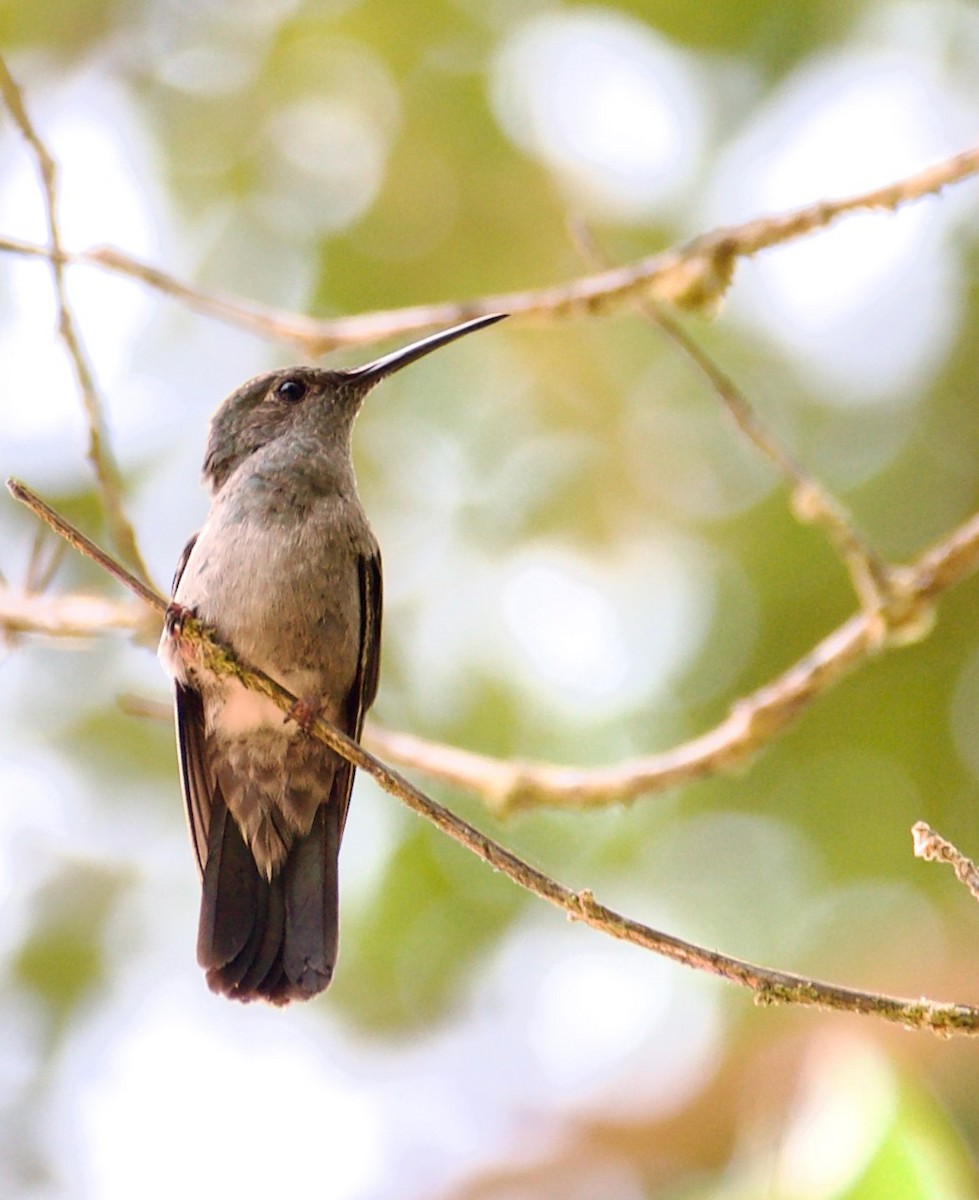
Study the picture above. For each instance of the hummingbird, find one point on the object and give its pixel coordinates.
(287, 571)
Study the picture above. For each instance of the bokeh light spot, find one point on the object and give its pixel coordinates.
(610, 107)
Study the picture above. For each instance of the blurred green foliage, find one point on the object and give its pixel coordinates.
(63, 962)
(433, 917)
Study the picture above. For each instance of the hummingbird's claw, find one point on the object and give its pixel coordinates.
(304, 712)
(180, 654)
(175, 618)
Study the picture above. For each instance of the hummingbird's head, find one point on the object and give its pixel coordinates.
(302, 401)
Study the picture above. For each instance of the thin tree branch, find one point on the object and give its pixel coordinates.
(812, 501)
(46, 556)
(70, 617)
(769, 986)
(932, 847)
(100, 455)
(74, 537)
(509, 786)
(694, 276)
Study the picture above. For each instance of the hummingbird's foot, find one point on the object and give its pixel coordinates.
(176, 617)
(174, 620)
(304, 712)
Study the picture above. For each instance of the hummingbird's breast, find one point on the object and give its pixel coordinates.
(277, 575)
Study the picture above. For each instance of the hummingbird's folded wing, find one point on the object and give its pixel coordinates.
(361, 695)
(194, 776)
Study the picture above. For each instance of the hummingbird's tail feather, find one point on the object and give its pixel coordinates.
(269, 939)
(309, 879)
(233, 903)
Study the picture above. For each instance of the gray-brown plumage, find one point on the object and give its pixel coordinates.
(287, 571)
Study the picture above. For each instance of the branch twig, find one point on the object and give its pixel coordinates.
(100, 454)
(509, 786)
(932, 847)
(769, 986)
(71, 617)
(812, 501)
(74, 537)
(694, 276)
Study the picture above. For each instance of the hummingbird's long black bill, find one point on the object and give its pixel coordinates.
(375, 371)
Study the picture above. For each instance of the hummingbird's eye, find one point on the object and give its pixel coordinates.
(291, 390)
